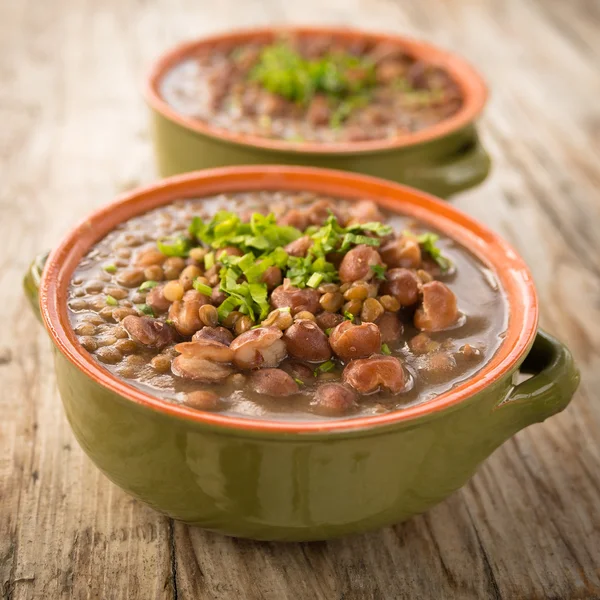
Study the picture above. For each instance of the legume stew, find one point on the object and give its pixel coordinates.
(285, 305)
(313, 88)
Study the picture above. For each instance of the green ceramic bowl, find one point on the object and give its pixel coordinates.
(443, 159)
(289, 480)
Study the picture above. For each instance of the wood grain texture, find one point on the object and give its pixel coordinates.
(73, 134)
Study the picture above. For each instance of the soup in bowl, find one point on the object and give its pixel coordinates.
(378, 104)
(288, 353)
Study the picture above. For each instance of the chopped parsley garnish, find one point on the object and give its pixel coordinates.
(148, 285)
(174, 246)
(110, 268)
(111, 301)
(385, 349)
(203, 288)
(299, 381)
(348, 315)
(324, 368)
(145, 309)
(427, 242)
(284, 71)
(328, 330)
(379, 271)
(262, 242)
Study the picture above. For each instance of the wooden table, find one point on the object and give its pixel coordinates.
(73, 133)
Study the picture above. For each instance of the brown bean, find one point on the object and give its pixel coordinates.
(358, 291)
(353, 307)
(198, 254)
(280, 318)
(403, 252)
(351, 341)
(403, 285)
(108, 355)
(185, 312)
(149, 257)
(298, 371)
(368, 375)
(200, 369)
(173, 266)
(304, 340)
(208, 315)
(272, 382)
(157, 301)
(118, 314)
(357, 264)
(173, 291)
(242, 325)
(117, 293)
(126, 346)
(89, 343)
(232, 318)
(299, 247)
(130, 278)
(296, 299)
(161, 363)
(295, 218)
(217, 297)
(439, 309)
(389, 303)
(94, 286)
(327, 320)
(228, 251)
(365, 211)
(216, 334)
(423, 344)
(390, 327)
(371, 310)
(84, 329)
(148, 332)
(186, 279)
(272, 277)
(331, 301)
(154, 273)
(202, 400)
(334, 399)
(258, 348)
(304, 315)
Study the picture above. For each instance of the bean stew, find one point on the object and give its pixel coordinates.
(285, 305)
(313, 88)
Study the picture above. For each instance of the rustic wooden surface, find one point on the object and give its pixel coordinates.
(73, 134)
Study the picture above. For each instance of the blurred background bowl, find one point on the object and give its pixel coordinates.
(442, 159)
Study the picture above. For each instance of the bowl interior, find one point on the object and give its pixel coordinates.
(496, 254)
(471, 84)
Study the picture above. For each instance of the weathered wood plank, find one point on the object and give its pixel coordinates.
(74, 134)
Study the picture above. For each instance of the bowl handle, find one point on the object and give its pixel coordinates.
(31, 282)
(550, 389)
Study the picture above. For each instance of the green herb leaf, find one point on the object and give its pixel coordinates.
(324, 368)
(111, 301)
(203, 288)
(385, 349)
(379, 271)
(314, 281)
(284, 71)
(328, 330)
(174, 246)
(145, 309)
(299, 381)
(209, 260)
(348, 315)
(110, 268)
(427, 241)
(148, 285)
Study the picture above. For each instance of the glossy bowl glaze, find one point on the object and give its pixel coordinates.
(442, 159)
(291, 480)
